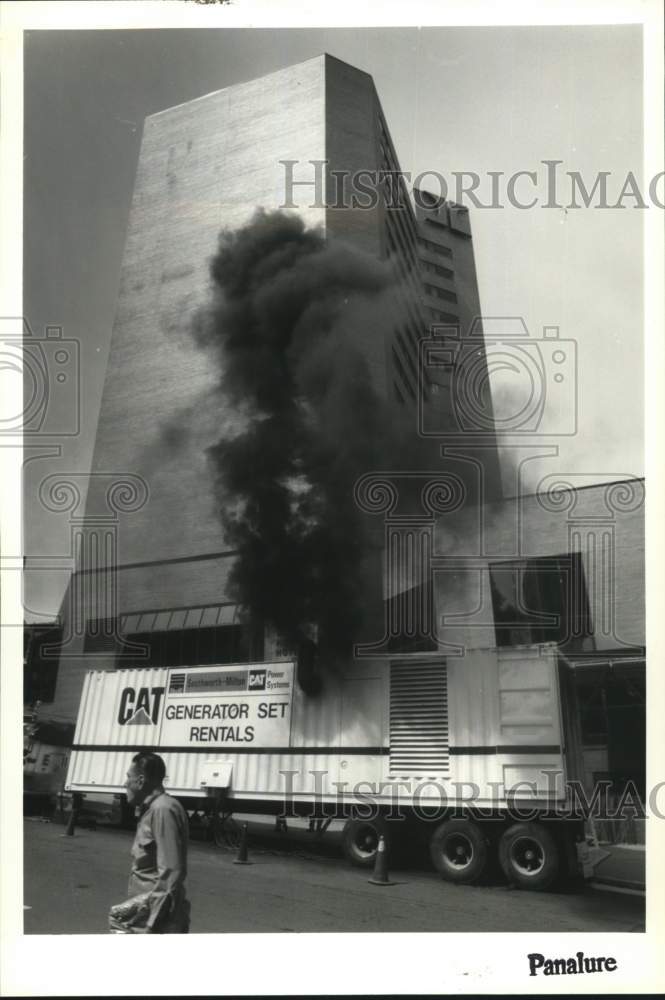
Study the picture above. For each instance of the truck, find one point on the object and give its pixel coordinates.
(462, 755)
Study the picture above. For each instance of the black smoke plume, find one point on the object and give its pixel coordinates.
(286, 313)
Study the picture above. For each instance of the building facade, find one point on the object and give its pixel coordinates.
(455, 371)
(152, 563)
(565, 566)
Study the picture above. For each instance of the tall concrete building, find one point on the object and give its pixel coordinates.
(153, 563)
(454, 362)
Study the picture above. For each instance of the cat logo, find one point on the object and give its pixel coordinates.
(257, 680)
(140, 708)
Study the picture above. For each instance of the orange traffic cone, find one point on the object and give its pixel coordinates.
(380, 876)
(71, 825)
(242, 849)
(73, 816)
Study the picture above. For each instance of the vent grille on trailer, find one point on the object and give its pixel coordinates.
(418, 718)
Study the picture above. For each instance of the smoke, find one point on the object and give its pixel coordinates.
(187, 429)
(286, 314)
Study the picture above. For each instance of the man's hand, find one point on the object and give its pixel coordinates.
(129, 917)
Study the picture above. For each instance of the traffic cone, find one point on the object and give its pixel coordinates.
(380, 876)
(242, 849)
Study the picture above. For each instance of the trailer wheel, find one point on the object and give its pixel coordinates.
(458, 851)
(529, 856)
(360, 840)
(225, 831)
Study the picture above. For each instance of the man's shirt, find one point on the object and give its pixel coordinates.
(159, 862)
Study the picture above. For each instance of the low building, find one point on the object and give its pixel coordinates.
(561, 566)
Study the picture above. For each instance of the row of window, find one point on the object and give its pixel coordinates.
(442, 272)
(408, 355)
(415, 319)
(400, 221)
(176, 647)
(436, 248)
(441, 317)
(412, 337)
(403, 242)
(397, 195)
(400, 369)
(534, 601)
(389, 163)
(398, 393)
(396, 249)
(440, 293)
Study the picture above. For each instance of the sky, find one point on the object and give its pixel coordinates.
(455, 99)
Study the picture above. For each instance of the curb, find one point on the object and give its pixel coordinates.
(618, 886)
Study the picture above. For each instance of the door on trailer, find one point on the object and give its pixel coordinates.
(529, 737)
(606, 702)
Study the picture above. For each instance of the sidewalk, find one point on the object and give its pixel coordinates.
(621, 865)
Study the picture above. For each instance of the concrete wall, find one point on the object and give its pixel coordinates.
(203, 165)
(352, 109)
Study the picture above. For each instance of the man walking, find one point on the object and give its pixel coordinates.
(157, 903)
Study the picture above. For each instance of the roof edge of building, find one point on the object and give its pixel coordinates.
(325, 56)
(573, 489)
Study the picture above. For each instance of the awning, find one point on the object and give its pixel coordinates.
(616, 662)
(170, 619)
(57, 734)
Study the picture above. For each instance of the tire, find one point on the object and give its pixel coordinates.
(360, 840)
(458, 851)
(529, 856)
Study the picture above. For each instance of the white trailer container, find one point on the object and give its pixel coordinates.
(455, 749)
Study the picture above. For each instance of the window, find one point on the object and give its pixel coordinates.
(192, 646)
(406, 352)
(436, 222)
(399, 367)
(440, 293)
(398, 220)
(413, 335)
(441, 317)
(592, 700)
(540, 600)
(442, 272)
(398, 248)
(612, 715)
(435, 247)
(172, 648)
(40, 670)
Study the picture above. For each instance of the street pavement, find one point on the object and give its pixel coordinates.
(293, 884)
